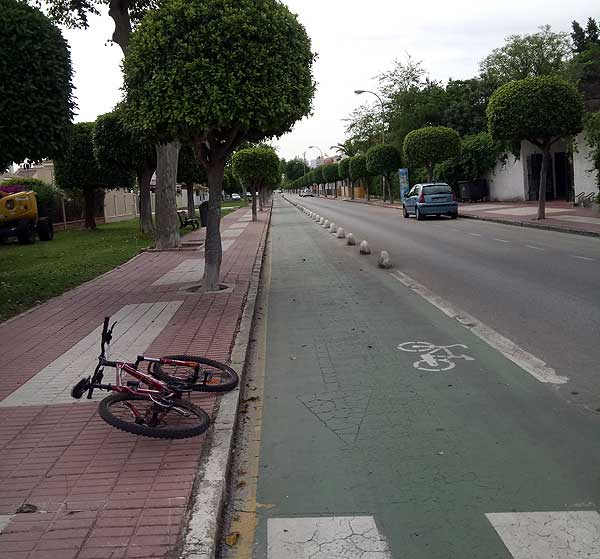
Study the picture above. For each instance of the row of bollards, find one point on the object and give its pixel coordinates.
(384, 257)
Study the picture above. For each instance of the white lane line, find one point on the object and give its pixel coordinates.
(325, 537)
(474, 234)
(533, 247)
(501, 240)
(582, 257)
(549, 535)
(137, 327)
(528, 362)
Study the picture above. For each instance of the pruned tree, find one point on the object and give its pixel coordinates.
(430, 145)
(36, 104)
(116, 147)
(331, 174)
(359, 171)
(344, 169)
(294, 168)
(77, 169)
(541, 110)
(257, 168)
(384, 160)
(238, 70)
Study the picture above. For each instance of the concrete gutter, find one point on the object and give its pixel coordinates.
(202, 531)
(532, 225)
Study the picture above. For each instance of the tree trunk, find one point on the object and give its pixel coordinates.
(213, 251)
(244, 195)
(261, 197)
(167, 224)
(391, 194)
(89, 197)
(335, 189)
(190, 201)
(429, 168)
(146, 222)
(383, 195)
(119, 11)
(367, 180)
(546, 159)
(254, 215)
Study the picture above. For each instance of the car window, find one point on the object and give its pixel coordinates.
(437, 189)
(413, 191)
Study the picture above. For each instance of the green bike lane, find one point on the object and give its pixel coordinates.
(355, 429)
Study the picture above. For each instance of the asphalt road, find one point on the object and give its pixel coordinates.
(367, 445)
(538, 288)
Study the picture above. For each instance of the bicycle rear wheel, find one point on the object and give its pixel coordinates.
(141, 416)
(202, 374)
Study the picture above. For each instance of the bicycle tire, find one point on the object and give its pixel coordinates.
(230, 378)
(172, 432)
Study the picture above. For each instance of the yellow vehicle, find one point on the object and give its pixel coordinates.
(19, 218)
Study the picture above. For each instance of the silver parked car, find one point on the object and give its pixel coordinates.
(432, 198)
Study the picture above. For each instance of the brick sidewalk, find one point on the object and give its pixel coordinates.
(99, 492)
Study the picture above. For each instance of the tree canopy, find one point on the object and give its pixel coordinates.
(331, 172)
(77, 169)
(427, 146)
(249, 62)
(256, 167)
(35, 87)
(358, 168)
(535, 109)
(383, 159)
(344, 168)
(544, 53)
(294, 169)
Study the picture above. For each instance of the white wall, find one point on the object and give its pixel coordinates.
(585, 176)
(507, 180)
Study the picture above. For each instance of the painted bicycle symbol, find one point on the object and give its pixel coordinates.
(434, 357)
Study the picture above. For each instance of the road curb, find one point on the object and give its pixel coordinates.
(531, 225)
(203, 527)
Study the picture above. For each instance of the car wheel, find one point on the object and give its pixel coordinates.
(454, 215)
(418, 214)
(404, 212)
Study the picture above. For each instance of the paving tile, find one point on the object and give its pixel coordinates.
(103, 493)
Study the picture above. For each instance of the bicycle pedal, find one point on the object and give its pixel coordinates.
(78, 390)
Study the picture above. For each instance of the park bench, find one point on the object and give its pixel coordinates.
(185, 221)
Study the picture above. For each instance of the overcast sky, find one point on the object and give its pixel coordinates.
(355, 40)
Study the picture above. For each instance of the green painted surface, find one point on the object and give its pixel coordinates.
(351, 427)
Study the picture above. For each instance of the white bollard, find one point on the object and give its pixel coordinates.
(351, 240)
(384, 260)
(364, 248)
(332, 227)
(340, 233)
(318, 217)
(326, 224)
(322, 221)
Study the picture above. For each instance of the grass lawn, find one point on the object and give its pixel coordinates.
(32, 274)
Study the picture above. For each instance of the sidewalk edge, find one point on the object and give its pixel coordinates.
(555, 228)
(203, 524)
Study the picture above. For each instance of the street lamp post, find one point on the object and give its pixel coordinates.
(360, 92)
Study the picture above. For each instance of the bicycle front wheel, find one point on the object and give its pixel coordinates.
(200, 373)
(179, 419)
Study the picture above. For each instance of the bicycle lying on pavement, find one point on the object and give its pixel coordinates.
(153, 404)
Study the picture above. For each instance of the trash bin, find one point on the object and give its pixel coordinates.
(203, 209)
